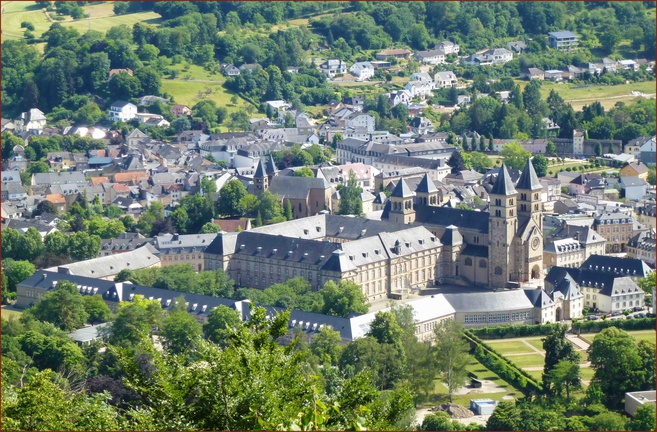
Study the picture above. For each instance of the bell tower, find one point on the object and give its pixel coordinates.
(260, 178)
(503, 224)
(401, 204)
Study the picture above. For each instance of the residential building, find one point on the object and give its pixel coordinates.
(634, 187)
(532, 74)
(643, 246)
(125, 242)
(447, 47)
(432, 57)
(179, 110)
(634, 400)
(648, 155)
(495, 56)
(122, 111)
(113, 72)
(182, 249)
(421, 126)
(396, 53)
(635, 169)
(150, 100)
(517, 46)
(628, 65)
(617, 229)
(554, 75)
(230, 70)
(33, 121)
(445, 79)
(419, 89)
(332, 67)
(363, 70)
(563, 40)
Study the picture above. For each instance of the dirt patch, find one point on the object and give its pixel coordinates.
(508, 397)
(455, 411)
(486, 387)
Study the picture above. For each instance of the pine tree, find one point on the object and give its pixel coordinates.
(464, 143)
(473, 142)
(482, 143)
(258, 221)
(491, 146)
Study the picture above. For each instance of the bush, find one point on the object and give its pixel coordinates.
(27, 25)
(512, 331)
(506, 370)
(597, 326)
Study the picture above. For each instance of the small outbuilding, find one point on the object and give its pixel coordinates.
(482, 406)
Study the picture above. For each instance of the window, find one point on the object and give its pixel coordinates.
(482, 263)
(468, 262)
(498, 270)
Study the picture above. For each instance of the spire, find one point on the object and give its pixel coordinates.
(503, 185)
(402, 190)
(260, 170)
(426, 185)
(271, 166)
(529, 180)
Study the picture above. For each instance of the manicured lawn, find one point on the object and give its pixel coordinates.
(586, 373)
(103, 24)
(529, 360)
(513, 347)
(639, 335)
(16, 12)
(537, 375)
(537, 343)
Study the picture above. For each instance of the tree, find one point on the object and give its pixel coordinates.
(30, 245)
(438, 421)
(505, 417)
(46, 207)
(239, 121)
(556, 348)
(608, 421)
(16, 272)
(609, 38)
(97, 309)
(83, 246)
(491, 145)
(222, 320)
(230, 199)
(563, 376)
(350, 200)
(304, 172)
(210, 228)
(89, 114)
(327, 345)
(644, 419)
(134, 321)
(62, 306)
(480, 162)
(514, 155)
(269, 207)
(180, 330)
(618, 377)
(456, 162)
(56, 243)
(550, 148)
(124, 86)
(343, 298)
(540, 165)
(179, 219)
(452, 354)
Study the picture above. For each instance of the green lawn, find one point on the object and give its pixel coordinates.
(639, 335)
(537, 375)
(536, 343)
(586, 373)
(529, 360)
(513, 347)
(186, 92)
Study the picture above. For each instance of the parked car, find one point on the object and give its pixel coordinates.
(629, 317)
(650, 315)
(637, 308)
(640, 315)
(592, 317)
(617, 313)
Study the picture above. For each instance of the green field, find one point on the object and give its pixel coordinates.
(536, 343)
(639, 335)
(513, 347)
(10, 313)
(586, 373)
(102, 18)
(529, 360)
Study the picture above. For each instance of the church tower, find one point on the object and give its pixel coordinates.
(503, 224)
(271, 168)
(401, 204)
(529, 238)
(260, 178)
(427, 192)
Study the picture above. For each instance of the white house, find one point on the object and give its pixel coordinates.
(495, 56)
(421, 76)
(332, 67)
(445, 79)
(31, 121)
(419, 89)
(122, 111)
(433, 57)
(360, 120)
(400, 96)
(363, 70)
(447, 47)
(628, 65)
(634, 187)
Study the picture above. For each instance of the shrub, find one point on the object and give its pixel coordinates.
(27, 25)
(597, 326)
(511, 331)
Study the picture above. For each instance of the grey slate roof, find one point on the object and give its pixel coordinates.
(445, 216)
(503, 184)
(490, 301)
(528, 179)
(296, 187)
(451, 236)
(633, 267)
(110, 265)
(426, 185)
(402, 190)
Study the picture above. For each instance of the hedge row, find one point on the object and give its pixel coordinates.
(512, 331)
(623, 324)
(499, 364)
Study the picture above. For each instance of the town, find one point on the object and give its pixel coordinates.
(454, 226)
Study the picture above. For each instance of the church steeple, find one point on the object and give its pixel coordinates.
(427, 192)
(503, 184)
(401, 201)
(503, 224)
(260, 178)
(529, 188)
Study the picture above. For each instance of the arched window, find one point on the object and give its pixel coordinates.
(468, 262)
(498, 270)
(482, 263)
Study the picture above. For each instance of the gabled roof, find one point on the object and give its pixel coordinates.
(503, 184)
(528, 179)
(260, 170)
